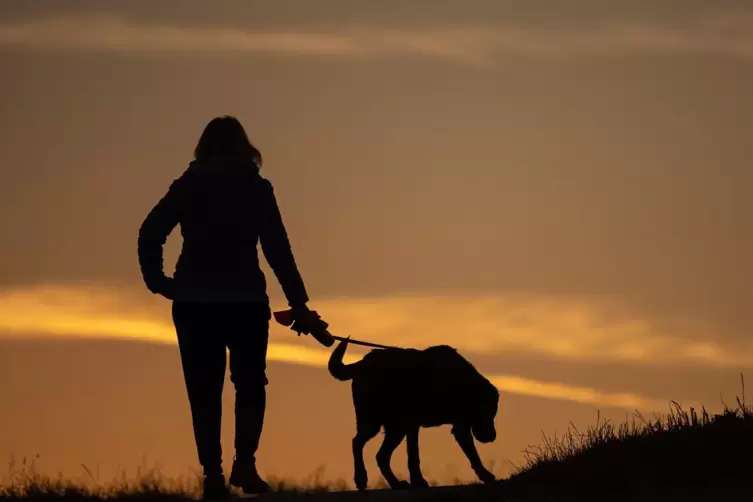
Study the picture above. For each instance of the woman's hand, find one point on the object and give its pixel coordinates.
(309, 322)
(304, 318)
(164, 287)
(168, 290)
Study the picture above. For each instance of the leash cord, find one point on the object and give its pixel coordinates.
(365, 344)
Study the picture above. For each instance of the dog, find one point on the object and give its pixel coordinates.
(402, 390)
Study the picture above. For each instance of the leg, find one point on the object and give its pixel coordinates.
(203, 359)
(414, 463)
(392, 439)
(464, 438)
(247, 338)
(363, 435)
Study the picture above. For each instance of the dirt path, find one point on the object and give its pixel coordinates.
(438, 494)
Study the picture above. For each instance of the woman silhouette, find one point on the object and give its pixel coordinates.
(224, 207)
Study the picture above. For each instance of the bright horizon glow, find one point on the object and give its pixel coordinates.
(98, 312)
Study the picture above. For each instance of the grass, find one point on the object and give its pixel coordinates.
(685, 450)
(24, 482)
(681, 455)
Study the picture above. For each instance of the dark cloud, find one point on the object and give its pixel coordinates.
(329, 13)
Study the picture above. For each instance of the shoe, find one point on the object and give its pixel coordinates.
(245, 477)
(215, 488)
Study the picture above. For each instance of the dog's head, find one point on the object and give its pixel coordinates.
(482, 421)
(474, 397)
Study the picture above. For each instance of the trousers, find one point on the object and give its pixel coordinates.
(206, 333)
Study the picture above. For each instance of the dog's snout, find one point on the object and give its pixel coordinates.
(492, 436)
(487, 434)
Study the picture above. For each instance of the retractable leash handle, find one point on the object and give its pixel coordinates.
(313, 326)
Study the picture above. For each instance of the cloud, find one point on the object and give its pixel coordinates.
(481, 325)
(726, 34)
(94, 311)
(583, 395)
(563, 329)
(566, 329)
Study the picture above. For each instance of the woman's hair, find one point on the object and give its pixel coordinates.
(225, 137)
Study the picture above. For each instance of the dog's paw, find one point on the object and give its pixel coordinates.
(487, 477)
(361, 480)
(401, 485)
(419, 483)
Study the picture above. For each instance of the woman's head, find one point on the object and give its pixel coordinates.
(225, 137)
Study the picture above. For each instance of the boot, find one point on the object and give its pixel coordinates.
(215, 488)
(245, 477)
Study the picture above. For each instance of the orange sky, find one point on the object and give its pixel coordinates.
(563, 195)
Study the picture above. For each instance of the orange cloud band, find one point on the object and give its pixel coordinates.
(480, 325)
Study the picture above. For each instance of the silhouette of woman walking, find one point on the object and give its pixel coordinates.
(224, 207)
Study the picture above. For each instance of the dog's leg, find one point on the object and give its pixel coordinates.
(414, 463)
(464, 438)
(392, 439)
(363, 435)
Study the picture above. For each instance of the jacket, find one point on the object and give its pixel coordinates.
(224, 208)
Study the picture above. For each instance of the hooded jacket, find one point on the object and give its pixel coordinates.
(224, 208)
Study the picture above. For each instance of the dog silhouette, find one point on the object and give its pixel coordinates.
(402, 390)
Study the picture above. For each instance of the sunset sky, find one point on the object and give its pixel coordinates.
(560, 190)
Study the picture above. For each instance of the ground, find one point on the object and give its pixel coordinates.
(688, 455)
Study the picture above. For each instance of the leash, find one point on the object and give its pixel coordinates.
(365, 344)
(285, 317)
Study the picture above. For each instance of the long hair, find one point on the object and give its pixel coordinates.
(225, 137)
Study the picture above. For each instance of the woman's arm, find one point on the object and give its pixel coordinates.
(155, 229)
(277, 250)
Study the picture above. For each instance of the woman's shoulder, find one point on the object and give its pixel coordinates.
(266, 184)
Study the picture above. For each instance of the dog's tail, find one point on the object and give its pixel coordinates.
(337, 368)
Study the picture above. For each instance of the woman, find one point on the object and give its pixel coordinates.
(224, 207)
